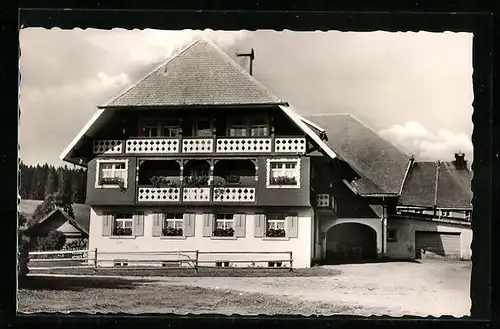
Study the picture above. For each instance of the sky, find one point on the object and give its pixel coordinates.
(414, 89)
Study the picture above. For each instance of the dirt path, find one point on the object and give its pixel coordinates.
(394, 289)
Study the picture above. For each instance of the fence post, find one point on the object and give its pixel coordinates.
(291, 262)
(196, 262)
(95, 258)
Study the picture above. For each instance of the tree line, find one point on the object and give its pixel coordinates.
(37, 182)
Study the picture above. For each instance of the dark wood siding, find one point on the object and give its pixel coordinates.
(111, 196)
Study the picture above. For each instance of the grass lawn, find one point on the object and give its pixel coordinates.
(55, 294)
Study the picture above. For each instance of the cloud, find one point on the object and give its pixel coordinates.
(427, 145)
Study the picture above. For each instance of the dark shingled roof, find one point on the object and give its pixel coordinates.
(382, 166)
(453, 186)
(81, 211)
(201, 74)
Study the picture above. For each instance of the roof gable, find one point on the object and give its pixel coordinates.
(201, 74)
(382, 166)
(80, 222)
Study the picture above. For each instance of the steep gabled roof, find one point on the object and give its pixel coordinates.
(381, 165)
(51, 215)
(439, 184)
(201, 74)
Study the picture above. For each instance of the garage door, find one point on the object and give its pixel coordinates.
(437, 245)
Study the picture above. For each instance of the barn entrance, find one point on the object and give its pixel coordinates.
(351, 242)
(437, 245)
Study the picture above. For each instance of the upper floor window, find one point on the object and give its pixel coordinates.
(283, 173)
(259, 127)
(203, 128)
(111, 173)
(149, 129)
(238, 128)
(170, 129)
(159, 128)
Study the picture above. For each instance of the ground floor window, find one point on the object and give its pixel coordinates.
(122, 224)
(173, 224)
(275, 225)
(224, 225)
(392, 235)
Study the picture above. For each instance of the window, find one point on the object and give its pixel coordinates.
(238, 128)
(170, 130)
(149, 129)
(445, 213)
(285, 173)
(392, 235)
(120, 262)
(224, 225)
(159, 128)
(173, 224)
(259, 128)
(275, 225)
(111, 173)
(122, 225)
(203, 128)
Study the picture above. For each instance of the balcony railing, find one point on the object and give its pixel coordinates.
(158, 194)
(202, 145)
(234, 194)
(322, 200)
(199, 194)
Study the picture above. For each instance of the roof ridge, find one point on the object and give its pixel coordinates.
(242, 70)
(165, 62)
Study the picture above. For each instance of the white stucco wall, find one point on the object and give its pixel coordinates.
(405, 245)
(301, 246)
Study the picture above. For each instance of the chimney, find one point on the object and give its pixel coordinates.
(460, 161)
(246, 63)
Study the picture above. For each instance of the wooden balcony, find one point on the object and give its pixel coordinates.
(208, 194)
(201, 145)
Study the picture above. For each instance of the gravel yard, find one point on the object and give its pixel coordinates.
(429, 288)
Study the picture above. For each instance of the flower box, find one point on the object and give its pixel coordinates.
(283, 180)
(224, 232)
(170, 231)
(162, 181)
(121, 231)
(195, 182)
(112, 181)
(275, 233)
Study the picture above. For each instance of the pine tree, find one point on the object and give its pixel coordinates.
(51, 183)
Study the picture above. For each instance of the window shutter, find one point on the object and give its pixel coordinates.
(138, 225)
(188, 223)
(240, 225)
(157, 224)
(107, 225)
(208, 220)
(260, 221)
(292, 229)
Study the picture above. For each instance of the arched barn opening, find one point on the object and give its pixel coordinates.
(351, 242)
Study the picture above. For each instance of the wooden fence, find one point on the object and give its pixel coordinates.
(80, 259)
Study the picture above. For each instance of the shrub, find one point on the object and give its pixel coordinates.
(80, 244)
(55, 240)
